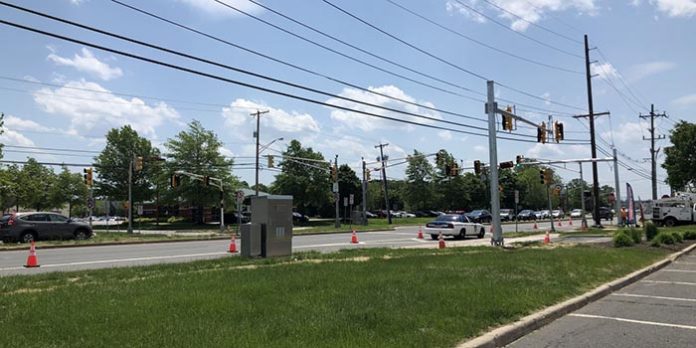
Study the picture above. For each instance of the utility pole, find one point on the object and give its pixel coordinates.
(492, 110)
(257, 114)
(593, 144)
(653, 152)
(617, 190)
(337, 194)
(583, 221)
(130, 195)
(364, 192)
(384, 178)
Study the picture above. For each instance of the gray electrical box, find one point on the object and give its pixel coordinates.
(274, 216)
(251, 240)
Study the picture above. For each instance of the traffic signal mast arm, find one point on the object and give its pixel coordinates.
(606, 159)
(215, 182)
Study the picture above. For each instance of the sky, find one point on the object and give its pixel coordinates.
(425, 58)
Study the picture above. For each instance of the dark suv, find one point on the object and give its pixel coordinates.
(25, 227)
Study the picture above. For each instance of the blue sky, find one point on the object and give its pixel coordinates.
(58, 94)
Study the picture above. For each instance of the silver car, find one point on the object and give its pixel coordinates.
(26, 227)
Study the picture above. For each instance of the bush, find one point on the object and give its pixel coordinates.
(622, 239)
(174, 219)
(650, 231)
(663, 238)
(690, 235)
(677, 237)
(636, 235)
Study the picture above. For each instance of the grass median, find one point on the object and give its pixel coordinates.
(354, 298)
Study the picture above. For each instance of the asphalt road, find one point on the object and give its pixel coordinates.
(93, 257)
(658, 311)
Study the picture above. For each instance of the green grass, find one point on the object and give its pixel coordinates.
(356, 298)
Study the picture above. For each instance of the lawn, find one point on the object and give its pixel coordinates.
(356, 298)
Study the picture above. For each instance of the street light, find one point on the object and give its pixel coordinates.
(258, 152)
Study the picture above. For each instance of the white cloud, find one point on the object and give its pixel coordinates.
(16, 123)
(684, 101)
(88, 63)
(641, 71)
(481, 149)
(676, 8)
(215, 9)
(90, 107)
(239, 112)
(369, 123)
(627, 133)
(12, 137)
(445, 135)
(529, 11)
(605, 70)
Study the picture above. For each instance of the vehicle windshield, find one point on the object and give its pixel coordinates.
(447, 218)
(476, 212)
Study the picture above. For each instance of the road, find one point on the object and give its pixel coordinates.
(93, 257)
(657, 311)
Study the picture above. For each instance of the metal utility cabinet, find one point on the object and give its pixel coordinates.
(270, 232)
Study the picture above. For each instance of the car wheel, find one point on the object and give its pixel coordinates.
(481, 233)
(27, 237)
(670, 222)
(433, 236)
(81, 234)
(462, 234)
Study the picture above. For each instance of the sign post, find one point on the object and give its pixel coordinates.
(240, 199)
(517, 201)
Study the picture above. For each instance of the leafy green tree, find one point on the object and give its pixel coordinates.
(305, 175)
(532, 191)
(9, 186)
(112, 164)
(680, 158)
(349, 184)
(574, 190)
(418, 192)
(474, 192)
(35, 181)
(70, 189)
(197, 151)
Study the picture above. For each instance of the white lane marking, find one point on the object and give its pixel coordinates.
(684, 263)
(654, 323)
(150, 258)
(667, 282)
(656, 297)
(326, 245)
(679, 270)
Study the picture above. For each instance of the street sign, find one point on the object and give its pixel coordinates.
(90, 203)
(345, 201)
(517, 197)
(140, 209)
(352, 199)
(335, 187)
(240, 196)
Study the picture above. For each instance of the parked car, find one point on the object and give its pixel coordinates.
(26, 227)
(232, 218)
(557, 214)
(456, 225)
(526, 215)
(299, 217)
(479, 216)
(606, 213)
(436, 213)
(370, 215)
(507, 215)
(576, 213)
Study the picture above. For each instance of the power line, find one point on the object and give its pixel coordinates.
(640, 101)
(471, 8)
(49, 148)
(480, 43)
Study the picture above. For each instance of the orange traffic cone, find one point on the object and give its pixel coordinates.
(354, 238)
(441, 242)
(420, 232)
(233, 244)
(570, 221)
(547, 238)
(560, 224)
(535, 226)
(32, 260)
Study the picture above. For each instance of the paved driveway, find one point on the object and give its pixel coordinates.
(658, 311)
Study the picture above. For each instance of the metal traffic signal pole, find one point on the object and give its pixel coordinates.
(130, 195)
(491, 109)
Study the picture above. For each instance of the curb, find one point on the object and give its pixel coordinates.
(509, 333)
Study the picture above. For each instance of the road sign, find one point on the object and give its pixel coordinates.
(335, 187)
(517, 197)
(352, 199)
(140, 209)
(240, 196)
(345, 201)
(90, 203)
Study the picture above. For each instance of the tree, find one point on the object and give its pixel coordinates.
(418, 193)
(574, 191)
(680, 158)
(197, 151)
(112, 164)
(532, 191)
(69, 188)
(349, 184)
(305, 175)
(34, 182)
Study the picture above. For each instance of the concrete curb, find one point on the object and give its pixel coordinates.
(509, 333)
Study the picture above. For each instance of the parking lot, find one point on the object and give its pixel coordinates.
(657, 311)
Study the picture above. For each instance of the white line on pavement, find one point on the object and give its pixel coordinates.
(684, 263)
(150, 258)
(654, 323)
(656, 297)
(667, 282)
(679, 270)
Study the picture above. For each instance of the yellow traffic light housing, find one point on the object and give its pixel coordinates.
(270, 161)
(138, 163)
(558, 131)
(541, 133)
(334, 173)
(367, 174)
(548, 176)
(477, 167)
(88, 176)
(174, 181)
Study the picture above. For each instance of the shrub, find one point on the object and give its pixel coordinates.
(636, 235)
(663, 238)
(650, 231)
(622, 239)
(690, 235)
(174, 219)
(677, 237)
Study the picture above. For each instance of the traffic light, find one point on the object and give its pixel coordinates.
(557, 191)
(448, 170)
(541, 133)
(507, 120)
(206, 179)
(477, 167)
(542, 176)
(367, 174)
(548, 176)
(270, 161)
(334, 174)
(138, 163)
(558, 131)
(506, 165)
(174, 181)
(519, 159)
(88, 176)
(454, 170)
